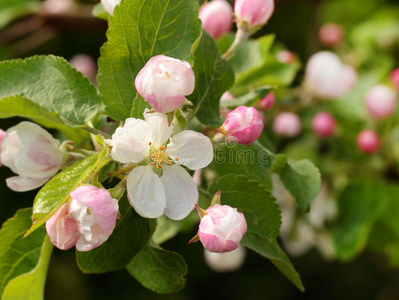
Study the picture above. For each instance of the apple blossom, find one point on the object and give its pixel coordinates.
(331, 34)
(244, 124)
(32, 153)
(225, 261)
(160, 185)
(368, 141)
(2, 135)
(253, 13)
(380, 102)
(164, 82)
(394, 76)
(221, 228)
(326, 76)
(86, 221)
(216, 17)
(110, 5)
(287, 124)
(323, 124)
(267, 102)
(286, 57)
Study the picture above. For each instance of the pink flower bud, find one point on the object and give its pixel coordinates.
(58, 6)
(286, 57)
(380, 102)
(62, 229)
(216, 17)
(287, 124)
(222, 228)
(86, 222)
(164, 82)
(394, 76)
(326, 77)
(323, 124)
(253, 12)
(31, 152)
(2, 135)
(267, 102)
(85, 64)
(110, 5)
(368, 141)
(244, 124)
(331, 34)
(95, 213)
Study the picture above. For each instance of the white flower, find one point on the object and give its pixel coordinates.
(162, 186)
(32, 153)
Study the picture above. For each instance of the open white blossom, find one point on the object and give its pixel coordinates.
(160, 185)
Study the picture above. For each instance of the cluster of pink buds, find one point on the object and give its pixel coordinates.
(85, 221)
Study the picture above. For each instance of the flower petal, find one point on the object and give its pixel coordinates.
(23, 184)
(145, 192)
(130, 142)
(181, 192)
(62, 230)
(191, 149)
(161, 131)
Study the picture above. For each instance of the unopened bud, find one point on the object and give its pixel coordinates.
(243, 124)
(216, 17)
(323, 124)
(164, 82)
(287, 124)
(267, 102)
(380, 102)
(331, 34)
(252, 14)
(368, 141)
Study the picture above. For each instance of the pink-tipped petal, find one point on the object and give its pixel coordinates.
(24, 184)
(62, 230)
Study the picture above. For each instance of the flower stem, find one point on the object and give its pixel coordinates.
(241, 36)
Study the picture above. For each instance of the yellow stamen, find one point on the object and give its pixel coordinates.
(167, 75)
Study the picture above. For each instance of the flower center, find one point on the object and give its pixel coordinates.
(158, 156)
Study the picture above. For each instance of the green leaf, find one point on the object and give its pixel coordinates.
(100, 12)
(30, 286)
(248, 99)
(18, 106)
(130, 235)
(139, 30)
(263, 219)
(251, 54)
(270, 73)
(302, 179)
(213, 76)
(359, 206)
(18, 256)
(53, 84)
(56, 192)
(252, 160)
(159, 270)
